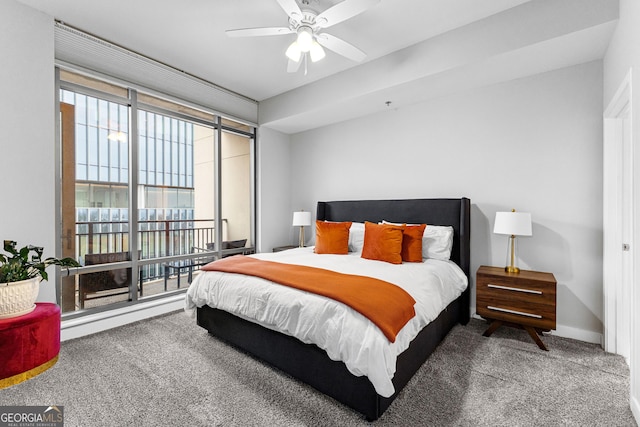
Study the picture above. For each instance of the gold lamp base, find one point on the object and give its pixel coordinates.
(301, 237)
(512, 269)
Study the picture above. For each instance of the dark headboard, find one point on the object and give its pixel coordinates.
(454, 212)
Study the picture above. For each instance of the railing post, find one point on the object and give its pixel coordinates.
(90, 244)
(166, 237)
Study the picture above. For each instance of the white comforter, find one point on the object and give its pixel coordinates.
(342, 332)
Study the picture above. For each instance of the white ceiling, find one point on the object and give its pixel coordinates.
(402, 38)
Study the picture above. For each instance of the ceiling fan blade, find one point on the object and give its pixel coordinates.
(266, 31)
(290, 7)
(293, 66)
(343, 11)
(341, 47)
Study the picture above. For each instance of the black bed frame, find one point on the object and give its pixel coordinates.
(308, 362)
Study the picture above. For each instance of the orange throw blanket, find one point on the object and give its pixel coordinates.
(388, 306)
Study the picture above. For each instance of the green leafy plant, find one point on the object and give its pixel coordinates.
(26, 263)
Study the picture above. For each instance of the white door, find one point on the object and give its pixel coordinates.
(618, 223)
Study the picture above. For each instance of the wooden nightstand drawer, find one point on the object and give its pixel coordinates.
(537, 315)
(524, 286)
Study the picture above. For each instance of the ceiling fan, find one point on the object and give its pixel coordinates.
(308, 25)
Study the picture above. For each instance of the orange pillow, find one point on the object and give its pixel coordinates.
(332, 237)
(412, 243)
(383, 242)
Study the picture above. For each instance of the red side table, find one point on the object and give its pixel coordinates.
(29, 344)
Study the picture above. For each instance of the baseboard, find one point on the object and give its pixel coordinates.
(570, 332)
(635, 408)
(93, 323)
(578, 334)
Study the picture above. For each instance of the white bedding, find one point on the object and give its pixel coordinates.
(342, 332)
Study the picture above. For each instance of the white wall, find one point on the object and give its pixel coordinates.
(27, 206)
(274, 190)
(533, 144)
(622, 55)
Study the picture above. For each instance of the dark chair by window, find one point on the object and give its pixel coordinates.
(206, 255)
(96, 285)
(228, 244)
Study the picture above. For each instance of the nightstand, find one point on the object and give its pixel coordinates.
(283, 248)
(526, 300)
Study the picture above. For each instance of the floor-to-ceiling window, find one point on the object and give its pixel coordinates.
(148, 188)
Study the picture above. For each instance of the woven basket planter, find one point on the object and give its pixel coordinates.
(18, 298)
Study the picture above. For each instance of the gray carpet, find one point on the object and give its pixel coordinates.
(169, 372)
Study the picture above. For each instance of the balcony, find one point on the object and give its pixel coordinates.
(188, 244)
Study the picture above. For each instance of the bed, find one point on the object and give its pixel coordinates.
(311, 364)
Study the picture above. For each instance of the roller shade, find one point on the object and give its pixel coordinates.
(89, 52)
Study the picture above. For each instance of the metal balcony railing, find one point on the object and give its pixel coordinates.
(157, 238)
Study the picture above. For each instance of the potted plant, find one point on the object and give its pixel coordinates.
(20, 274)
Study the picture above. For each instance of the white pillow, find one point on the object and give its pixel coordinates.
(437, 241)
(356, 237)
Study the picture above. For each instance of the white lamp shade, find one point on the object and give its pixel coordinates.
(305, 38)
(317, 52)
(293, 52)
(513, 223)
(301, 219)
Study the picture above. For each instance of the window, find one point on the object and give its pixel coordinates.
(192, 187)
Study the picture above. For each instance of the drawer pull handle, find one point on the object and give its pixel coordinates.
(507, 288)
(504, 310)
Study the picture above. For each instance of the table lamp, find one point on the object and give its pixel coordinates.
(301, 219)
(513, 224)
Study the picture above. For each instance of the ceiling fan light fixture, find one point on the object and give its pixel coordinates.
(293, 52)
(305, 38)
(316, 52)
(308, 26)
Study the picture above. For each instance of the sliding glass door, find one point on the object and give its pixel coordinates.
(139, 171)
